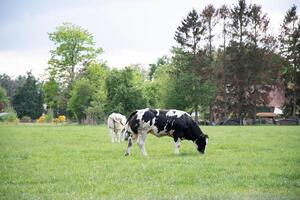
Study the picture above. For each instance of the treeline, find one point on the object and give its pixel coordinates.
(224, 66)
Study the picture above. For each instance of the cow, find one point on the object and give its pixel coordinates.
(116, 123)
(174, 123)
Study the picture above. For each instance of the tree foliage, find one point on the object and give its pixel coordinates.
(28, 100)
(3, 99)
(124, 91)
(290, 49)
(74, 50)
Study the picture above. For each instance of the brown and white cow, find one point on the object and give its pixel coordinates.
(174, 123)
(116, 123)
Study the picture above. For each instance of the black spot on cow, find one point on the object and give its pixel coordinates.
(133, 122)
(149, 115)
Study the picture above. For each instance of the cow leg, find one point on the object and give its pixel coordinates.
(177, 145)
(119, 135)
(142, 140)
(112, 135)
(131, 139)
(123, 134)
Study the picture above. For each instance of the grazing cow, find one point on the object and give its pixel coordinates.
(174, 123)
(116, 123)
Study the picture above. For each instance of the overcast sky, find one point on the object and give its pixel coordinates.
(129, 31)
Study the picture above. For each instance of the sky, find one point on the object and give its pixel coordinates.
(129, 31)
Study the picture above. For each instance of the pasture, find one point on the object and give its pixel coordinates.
(80, 162)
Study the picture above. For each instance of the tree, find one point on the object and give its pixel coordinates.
(96, 74)
(154, 66)
(221, 101)
(260, 50)
(190, 33)
(124, 92)
(191, 61)
(75, 48)
(88, 96)
(210, 20)
(3, 99)
(28, 100)
(200, 92)
(80, 98)
(51, 95)
(236, 74)
(11, 85)
(209, 17)
(290, 49)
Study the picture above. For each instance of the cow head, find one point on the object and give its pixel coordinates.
(201, 143)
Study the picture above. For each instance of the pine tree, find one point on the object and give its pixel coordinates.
(28, 100)
(290, 49)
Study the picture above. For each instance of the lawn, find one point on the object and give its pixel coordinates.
(80, 162)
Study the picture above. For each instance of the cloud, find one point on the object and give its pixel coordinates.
(132, 31)
(18, 62)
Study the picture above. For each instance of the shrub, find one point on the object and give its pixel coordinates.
(41, 119)
(49, 116)
(61, 118)
(25, 119)
(10, 117)
(56, 120)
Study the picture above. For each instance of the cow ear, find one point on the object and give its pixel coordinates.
(206, 136)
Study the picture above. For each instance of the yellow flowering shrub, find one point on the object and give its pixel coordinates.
(41, 119)
(62, 118)
(56, 120)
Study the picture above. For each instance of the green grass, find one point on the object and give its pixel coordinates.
(80, 162)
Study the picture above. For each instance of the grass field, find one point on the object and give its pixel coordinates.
(80, 162)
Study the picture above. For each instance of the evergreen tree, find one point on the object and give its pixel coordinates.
(28, 100)
(191, 62)
(290, 49)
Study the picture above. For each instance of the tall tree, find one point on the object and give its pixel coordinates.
(191, 61)
(223, 13)
(290, 42)
(258, 59)
(190, 33)
(236, 71)
(75, 48)
(209, 18)
(28, 100)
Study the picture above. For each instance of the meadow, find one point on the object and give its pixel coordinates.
(80, 162)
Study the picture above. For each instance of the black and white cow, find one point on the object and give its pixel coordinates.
(174, 123)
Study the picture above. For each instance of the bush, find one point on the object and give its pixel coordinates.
(25, 119)
(62, 118)
(56, 120)
(10, 117)
(41, 119)
(49, 116)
